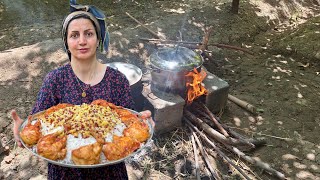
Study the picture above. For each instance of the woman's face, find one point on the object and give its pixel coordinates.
(82, 39)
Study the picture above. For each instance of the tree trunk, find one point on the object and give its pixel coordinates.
(235, 6)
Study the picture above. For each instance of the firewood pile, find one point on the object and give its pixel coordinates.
(209, 135)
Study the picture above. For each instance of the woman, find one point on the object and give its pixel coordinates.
(82, 80)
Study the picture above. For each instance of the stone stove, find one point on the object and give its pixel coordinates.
(167, 107)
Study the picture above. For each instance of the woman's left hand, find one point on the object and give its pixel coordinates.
(147, 115)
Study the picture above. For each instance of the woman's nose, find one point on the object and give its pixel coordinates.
(82, 39)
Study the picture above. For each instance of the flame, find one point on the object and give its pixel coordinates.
(194, 85)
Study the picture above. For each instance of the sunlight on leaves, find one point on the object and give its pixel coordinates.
(237, 121)
(301, 102)
(276, 77)
(314, 167)
(289, 157)
(303, 85)
(299, 165)
(178, 11)
(311, 156)
(305, 175)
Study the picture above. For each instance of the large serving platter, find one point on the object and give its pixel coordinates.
(106, 162)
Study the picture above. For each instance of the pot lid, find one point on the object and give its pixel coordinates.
(175, 59)
(132, 72)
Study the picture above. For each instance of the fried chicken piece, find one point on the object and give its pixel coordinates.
(126, 116)
(138, 131)
(57, 107)
(119, 148)
(31, 134)
(87, 155)
(53, 146)
(102, 102)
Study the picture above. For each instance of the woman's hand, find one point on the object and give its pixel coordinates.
(147, 115)
(17, 121)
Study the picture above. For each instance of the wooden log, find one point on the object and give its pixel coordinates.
(204, 137)
(257, 163)
(195, 156)
(213, 133)
(205, 156)
(251, 143)
(255, 142)
(214, 120)
(243, 104)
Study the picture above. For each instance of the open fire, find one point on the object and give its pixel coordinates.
(194, 85)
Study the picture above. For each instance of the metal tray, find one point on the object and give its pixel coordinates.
(143, 145)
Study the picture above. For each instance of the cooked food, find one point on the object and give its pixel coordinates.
(57, 107)
(79, 120)
(53, 146)
(101, 102)
(120, 147)
(126, 116)
(138, 131)
(31, 134)
(85, 134)
(87, 155)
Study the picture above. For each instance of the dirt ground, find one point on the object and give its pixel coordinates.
(281, 79)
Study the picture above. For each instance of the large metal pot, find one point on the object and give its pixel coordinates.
(169, 67)
(134, 75)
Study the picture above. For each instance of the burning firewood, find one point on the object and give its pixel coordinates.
(194, 85)
(216, 148)
(198, 118)
(195, 156)
(214, 120)
(215, 134)
(205, 156)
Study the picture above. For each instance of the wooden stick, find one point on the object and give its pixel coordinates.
(213, 133)
(243, 104)
(261, 134)
(231, 47)
(195, 156)
(204, 137)
(205, 156)
(170, 41)
(259, 164)
(152, 32)
(222, 130)
(196, 45)
(205, 40)
(251, 143)
(249, 140)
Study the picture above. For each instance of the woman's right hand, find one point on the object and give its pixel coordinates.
(17, 121)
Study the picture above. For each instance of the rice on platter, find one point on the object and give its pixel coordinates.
(87, 134)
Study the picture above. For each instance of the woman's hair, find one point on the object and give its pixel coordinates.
(78, 15)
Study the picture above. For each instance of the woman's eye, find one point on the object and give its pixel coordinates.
(89, 34)
(74, 35)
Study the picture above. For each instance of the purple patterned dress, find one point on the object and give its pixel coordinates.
(61, 86)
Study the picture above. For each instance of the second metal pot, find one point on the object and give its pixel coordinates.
(134, 75)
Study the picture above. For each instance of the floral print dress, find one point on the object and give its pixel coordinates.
(61, 86)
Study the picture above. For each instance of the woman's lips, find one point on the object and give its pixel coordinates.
(83, 50)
